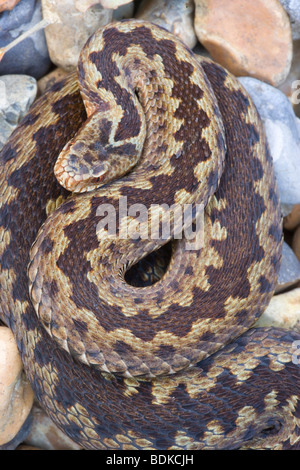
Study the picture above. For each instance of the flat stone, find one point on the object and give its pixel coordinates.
(177, 17)
(29, 57)
(283, 311)
(66, 39)
(283, 133)
(289, 273)
(17, 93)
(16, 395)
(292, 8)
(247, 40)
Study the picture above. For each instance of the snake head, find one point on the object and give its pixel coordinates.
(92, 158)
(79, 170)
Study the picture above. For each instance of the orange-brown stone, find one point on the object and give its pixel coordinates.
(247, 38)
(16, 395)
(292, 220)
(8, 4)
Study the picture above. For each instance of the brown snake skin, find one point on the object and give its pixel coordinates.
(175, 364)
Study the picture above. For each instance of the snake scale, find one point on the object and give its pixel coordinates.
(174, 364)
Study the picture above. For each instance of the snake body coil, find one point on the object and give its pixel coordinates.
(173, 365)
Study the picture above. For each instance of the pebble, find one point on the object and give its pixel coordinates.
(291, 86)
(283, 133)
(8, 4)
(177, 17)
(283, 311)
(29, 57)
(289, 273)
(66, 39)
(292, 8)
(253, 41)
(16, 395)
(292, 220)
(296, 243)
(17, 93)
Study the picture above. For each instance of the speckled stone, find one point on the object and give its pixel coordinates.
(292, 8)
(66, 38)
(17, 93)
(177, 17)
(29, 57)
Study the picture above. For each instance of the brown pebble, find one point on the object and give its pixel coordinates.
(16, 395)
(247, 39)
(292, 220)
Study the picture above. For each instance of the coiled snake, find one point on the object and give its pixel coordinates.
(174, 364)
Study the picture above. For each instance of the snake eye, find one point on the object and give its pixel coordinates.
(98, 170)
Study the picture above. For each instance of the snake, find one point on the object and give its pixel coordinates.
(171, 360)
